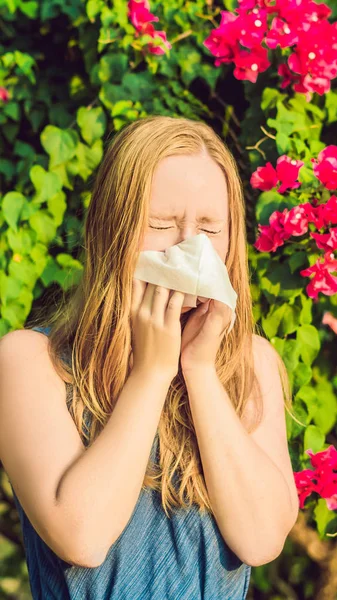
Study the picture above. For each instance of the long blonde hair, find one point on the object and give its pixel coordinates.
(92, 322)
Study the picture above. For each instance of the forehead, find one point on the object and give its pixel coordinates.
(193, 184)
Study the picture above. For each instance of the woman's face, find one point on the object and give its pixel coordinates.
(188, 196)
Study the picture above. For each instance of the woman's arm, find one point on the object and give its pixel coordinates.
(101, 488)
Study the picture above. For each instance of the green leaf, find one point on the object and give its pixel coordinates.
(309, 396)
(302, 375)
(112, 67)
(270, 96)
(94, 7)
(313, 439)
(290, 320)
(23, 271)
(12, 110)
(44, 226)
(87, 158)
(92, 123)
(271, 322)
(57, 207)
(31, 9)
(138, 86)
(21, 241)
(282, 142)
(323, 516)
(60, 145)
(308, 343)
(306, 316)
(47, 184)
(12, 205)
(326, 413)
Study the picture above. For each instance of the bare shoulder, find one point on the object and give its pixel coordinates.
(262, 348)
(25, 352)
(38, 438)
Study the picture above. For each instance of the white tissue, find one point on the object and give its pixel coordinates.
(192, 267)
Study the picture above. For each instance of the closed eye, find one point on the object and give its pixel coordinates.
(207, 231)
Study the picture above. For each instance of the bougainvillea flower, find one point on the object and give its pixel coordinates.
(4, 95)
(222, 41)
(281, 33)
(315, 214)
(296, 221)
(325, 167)
(322, 480)
(264, 178)
(287, 171)
(150, 30)
(330, 211)
(316, 51)
(305, 484)
(302, 12)
(139, 14)
(142, 19)
(326, 241)
(251, 27)
(249, 64)
(272, 236)
(288, 77)
(322, 281)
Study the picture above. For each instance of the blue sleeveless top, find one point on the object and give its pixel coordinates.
(154, 558)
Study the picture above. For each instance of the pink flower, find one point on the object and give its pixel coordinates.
(322, 480)
(315, 214)
(264, 178)
(288, 77)
(222, 41)
(4, 95)
(287, 170)
(326, 241)
(249, 64)
(322, 280)
(251, 27)
(139, 14)
(273, 235)
(330, 211)
(325, 167)
(296, 221)
(141, 18)
(281, 33)
(305, 484)
(315, 56)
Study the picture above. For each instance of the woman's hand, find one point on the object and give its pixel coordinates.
(156, 329)
(203, 333)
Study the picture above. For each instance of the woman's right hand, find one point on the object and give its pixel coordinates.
(156, 328)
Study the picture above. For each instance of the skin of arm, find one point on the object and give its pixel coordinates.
(250, 497)
(100, 489)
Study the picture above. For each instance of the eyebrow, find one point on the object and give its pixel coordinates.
(174, 218)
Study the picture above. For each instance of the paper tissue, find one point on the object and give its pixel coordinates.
(192, 267)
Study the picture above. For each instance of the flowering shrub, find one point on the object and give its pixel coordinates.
(300, 25)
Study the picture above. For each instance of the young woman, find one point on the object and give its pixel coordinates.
(145, 446)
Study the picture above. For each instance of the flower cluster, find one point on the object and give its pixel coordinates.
(298, 24)
(295, 221)
(286, 172)
(142, 19)
(323, 479)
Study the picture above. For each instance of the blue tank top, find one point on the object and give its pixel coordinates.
(154, 558)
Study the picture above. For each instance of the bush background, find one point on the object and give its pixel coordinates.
(76, 73)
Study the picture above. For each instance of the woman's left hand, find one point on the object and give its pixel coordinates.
(203, 333)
